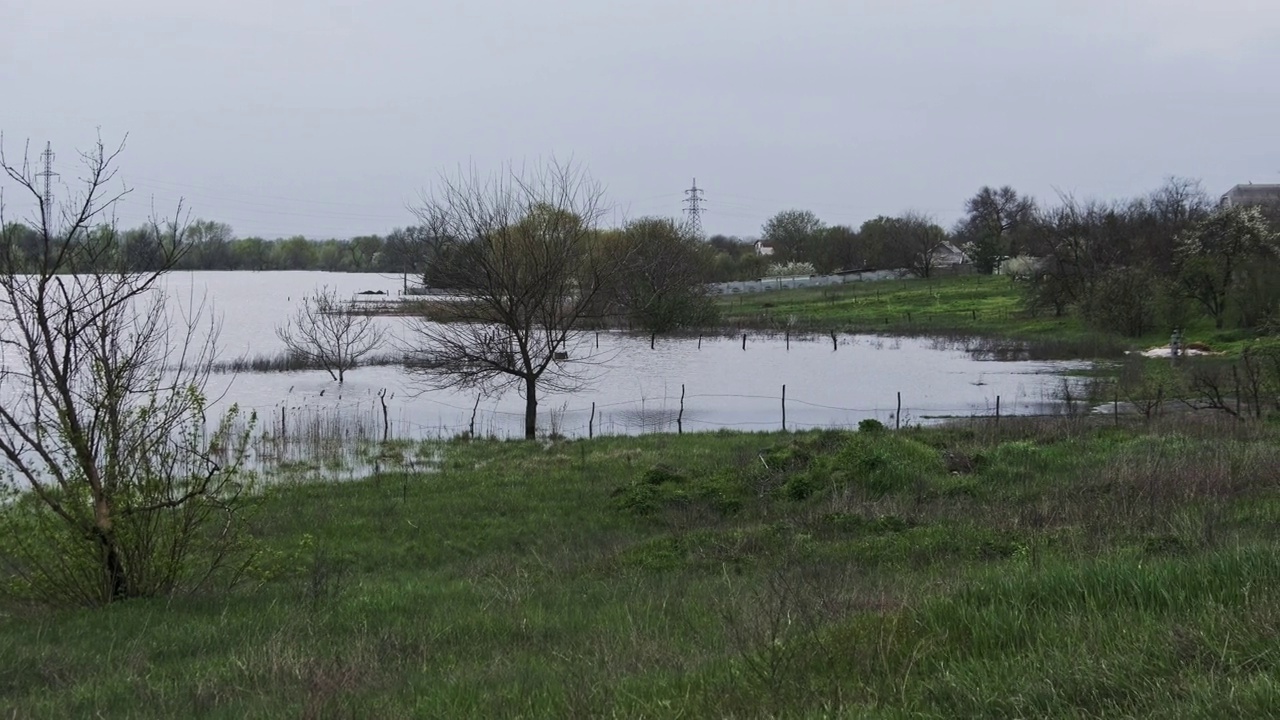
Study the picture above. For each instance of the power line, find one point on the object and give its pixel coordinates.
(693, 201)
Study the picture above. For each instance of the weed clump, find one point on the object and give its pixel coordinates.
(877, 464)
(870, 425)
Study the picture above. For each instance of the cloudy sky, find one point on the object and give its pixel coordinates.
(327, 118)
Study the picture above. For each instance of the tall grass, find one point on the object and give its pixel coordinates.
(1039, 567)
(285, 361)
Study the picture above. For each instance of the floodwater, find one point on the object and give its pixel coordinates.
(634, 389)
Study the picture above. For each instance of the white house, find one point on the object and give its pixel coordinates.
(948, 255)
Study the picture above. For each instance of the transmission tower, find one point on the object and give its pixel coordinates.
(46, 200)
(693, 208)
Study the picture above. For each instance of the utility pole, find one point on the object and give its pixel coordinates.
(693, 208)
(46, 201)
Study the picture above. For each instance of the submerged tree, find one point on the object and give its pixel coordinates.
(663, 284)
(522, 259)
(329, 336)
(117, 489)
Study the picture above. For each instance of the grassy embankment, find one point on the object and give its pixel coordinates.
(1042, 568)
(987, 306)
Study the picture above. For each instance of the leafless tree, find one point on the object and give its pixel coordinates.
(921, 240)
(994, 225)
(522, 263)
(117, 489)
(326, 334)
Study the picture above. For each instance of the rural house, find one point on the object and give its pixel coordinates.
(1251, 195)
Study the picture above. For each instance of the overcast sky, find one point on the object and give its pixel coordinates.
(322, 118)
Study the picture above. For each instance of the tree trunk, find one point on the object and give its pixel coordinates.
(112, 564)
(530, 407)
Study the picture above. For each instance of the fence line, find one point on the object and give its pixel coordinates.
(368, 418)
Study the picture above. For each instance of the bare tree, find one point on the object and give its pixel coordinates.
(994, 224)
(523, 263)
(328, 335)
(117, 488)
(920, 239)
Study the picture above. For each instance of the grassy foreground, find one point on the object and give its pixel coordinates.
(1042, 568)
(982, 305)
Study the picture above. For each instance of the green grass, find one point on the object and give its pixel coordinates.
(1042, 568)
(986, 306)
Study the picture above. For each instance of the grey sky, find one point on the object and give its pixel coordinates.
(326, 118)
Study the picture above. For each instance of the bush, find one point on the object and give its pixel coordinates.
(1124, 300)
(870, 425)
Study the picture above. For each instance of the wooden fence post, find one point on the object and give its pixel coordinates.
(744, 341)
(386, 425)
(897, 416)
(591, 424)
(680, 417)
(784, 408)
(997, 411)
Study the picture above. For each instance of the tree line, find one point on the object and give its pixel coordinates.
(1126, 266)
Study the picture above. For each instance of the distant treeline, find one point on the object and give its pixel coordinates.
(210, 245)
(1126, 265)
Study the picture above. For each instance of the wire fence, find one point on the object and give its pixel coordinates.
(383, 417)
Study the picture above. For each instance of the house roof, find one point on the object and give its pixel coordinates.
(1253, 194)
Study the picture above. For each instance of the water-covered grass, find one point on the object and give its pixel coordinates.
(1039, 568)
(285, 361)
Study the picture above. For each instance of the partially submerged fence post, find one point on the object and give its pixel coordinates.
(699, 342)
(471, 431)
(386, 425)
(652, 338)
(834, 344)
(897, 415)
(282, 425)
(784, 408)
(997, 411)
(591, 424)
(680, 417)
(788, 338)
(744, 341)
